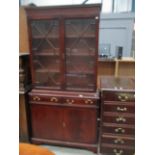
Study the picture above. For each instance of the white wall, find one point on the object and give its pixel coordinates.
(116, 30)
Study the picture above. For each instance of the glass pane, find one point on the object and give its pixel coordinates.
(107, 6)
(80, 35)
(46, 53)
(45, 35)
(122, 5)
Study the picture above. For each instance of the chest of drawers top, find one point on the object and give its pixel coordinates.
(120, 89)
(117, 84)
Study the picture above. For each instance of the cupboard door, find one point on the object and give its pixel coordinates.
(80, 54)
(47, 122)
(45, 49)
(80, 125)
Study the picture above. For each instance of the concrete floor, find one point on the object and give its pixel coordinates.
(67, 151)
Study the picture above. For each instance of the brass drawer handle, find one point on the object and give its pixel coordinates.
(123, 98)
(36, 98)
(120, 130)
(122, 109)
(120, 152)
(88, 101)
(120, 119)
(54, 99)
(70, 101)
(119, 140)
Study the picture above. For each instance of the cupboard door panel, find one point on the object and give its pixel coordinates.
(47, 122)
(81, 125)
(46, 57)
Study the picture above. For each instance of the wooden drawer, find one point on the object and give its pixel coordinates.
(119, 129)
(119, 107)
(63, 97)
(122, 118)
(38, 98)
(79, 101)
(118, 96)
(107, 149)
(119, 140)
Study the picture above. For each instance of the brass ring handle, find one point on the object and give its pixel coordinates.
(54, 99)
(120, 130)
(123, 98)
(88, 101)
(120, 152)
(119, 140)
(122, 109)
(120, 119)
(36, 98)
(70, 101)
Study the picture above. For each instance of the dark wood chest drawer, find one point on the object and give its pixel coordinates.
(80, 101)
(119, 107)
(118, 96)
(109, 149)
(122, 118)
(44, 98)
(118, 129)
(119, 140)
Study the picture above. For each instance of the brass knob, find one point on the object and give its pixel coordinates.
(120, 119)
(119, 140)
(122, 109)
(120, 130)
(36, 98)
(70, 101)
(88, 101)
(123, 98)
(54, 99)
(120, 152)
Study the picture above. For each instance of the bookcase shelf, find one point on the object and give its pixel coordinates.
(117, 67)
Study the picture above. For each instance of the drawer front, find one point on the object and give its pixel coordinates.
(118, 140)
(51, 99)
(79, 101)
(118, 130)
(116, 151)
(118, 107)
(121, 119)
(63, 100)
(118, 96)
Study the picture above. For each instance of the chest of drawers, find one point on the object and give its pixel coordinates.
(117, 126)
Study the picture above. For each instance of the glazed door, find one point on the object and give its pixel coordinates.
(46, 122)
(80, 54)
(80, 125)
(46, 55)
